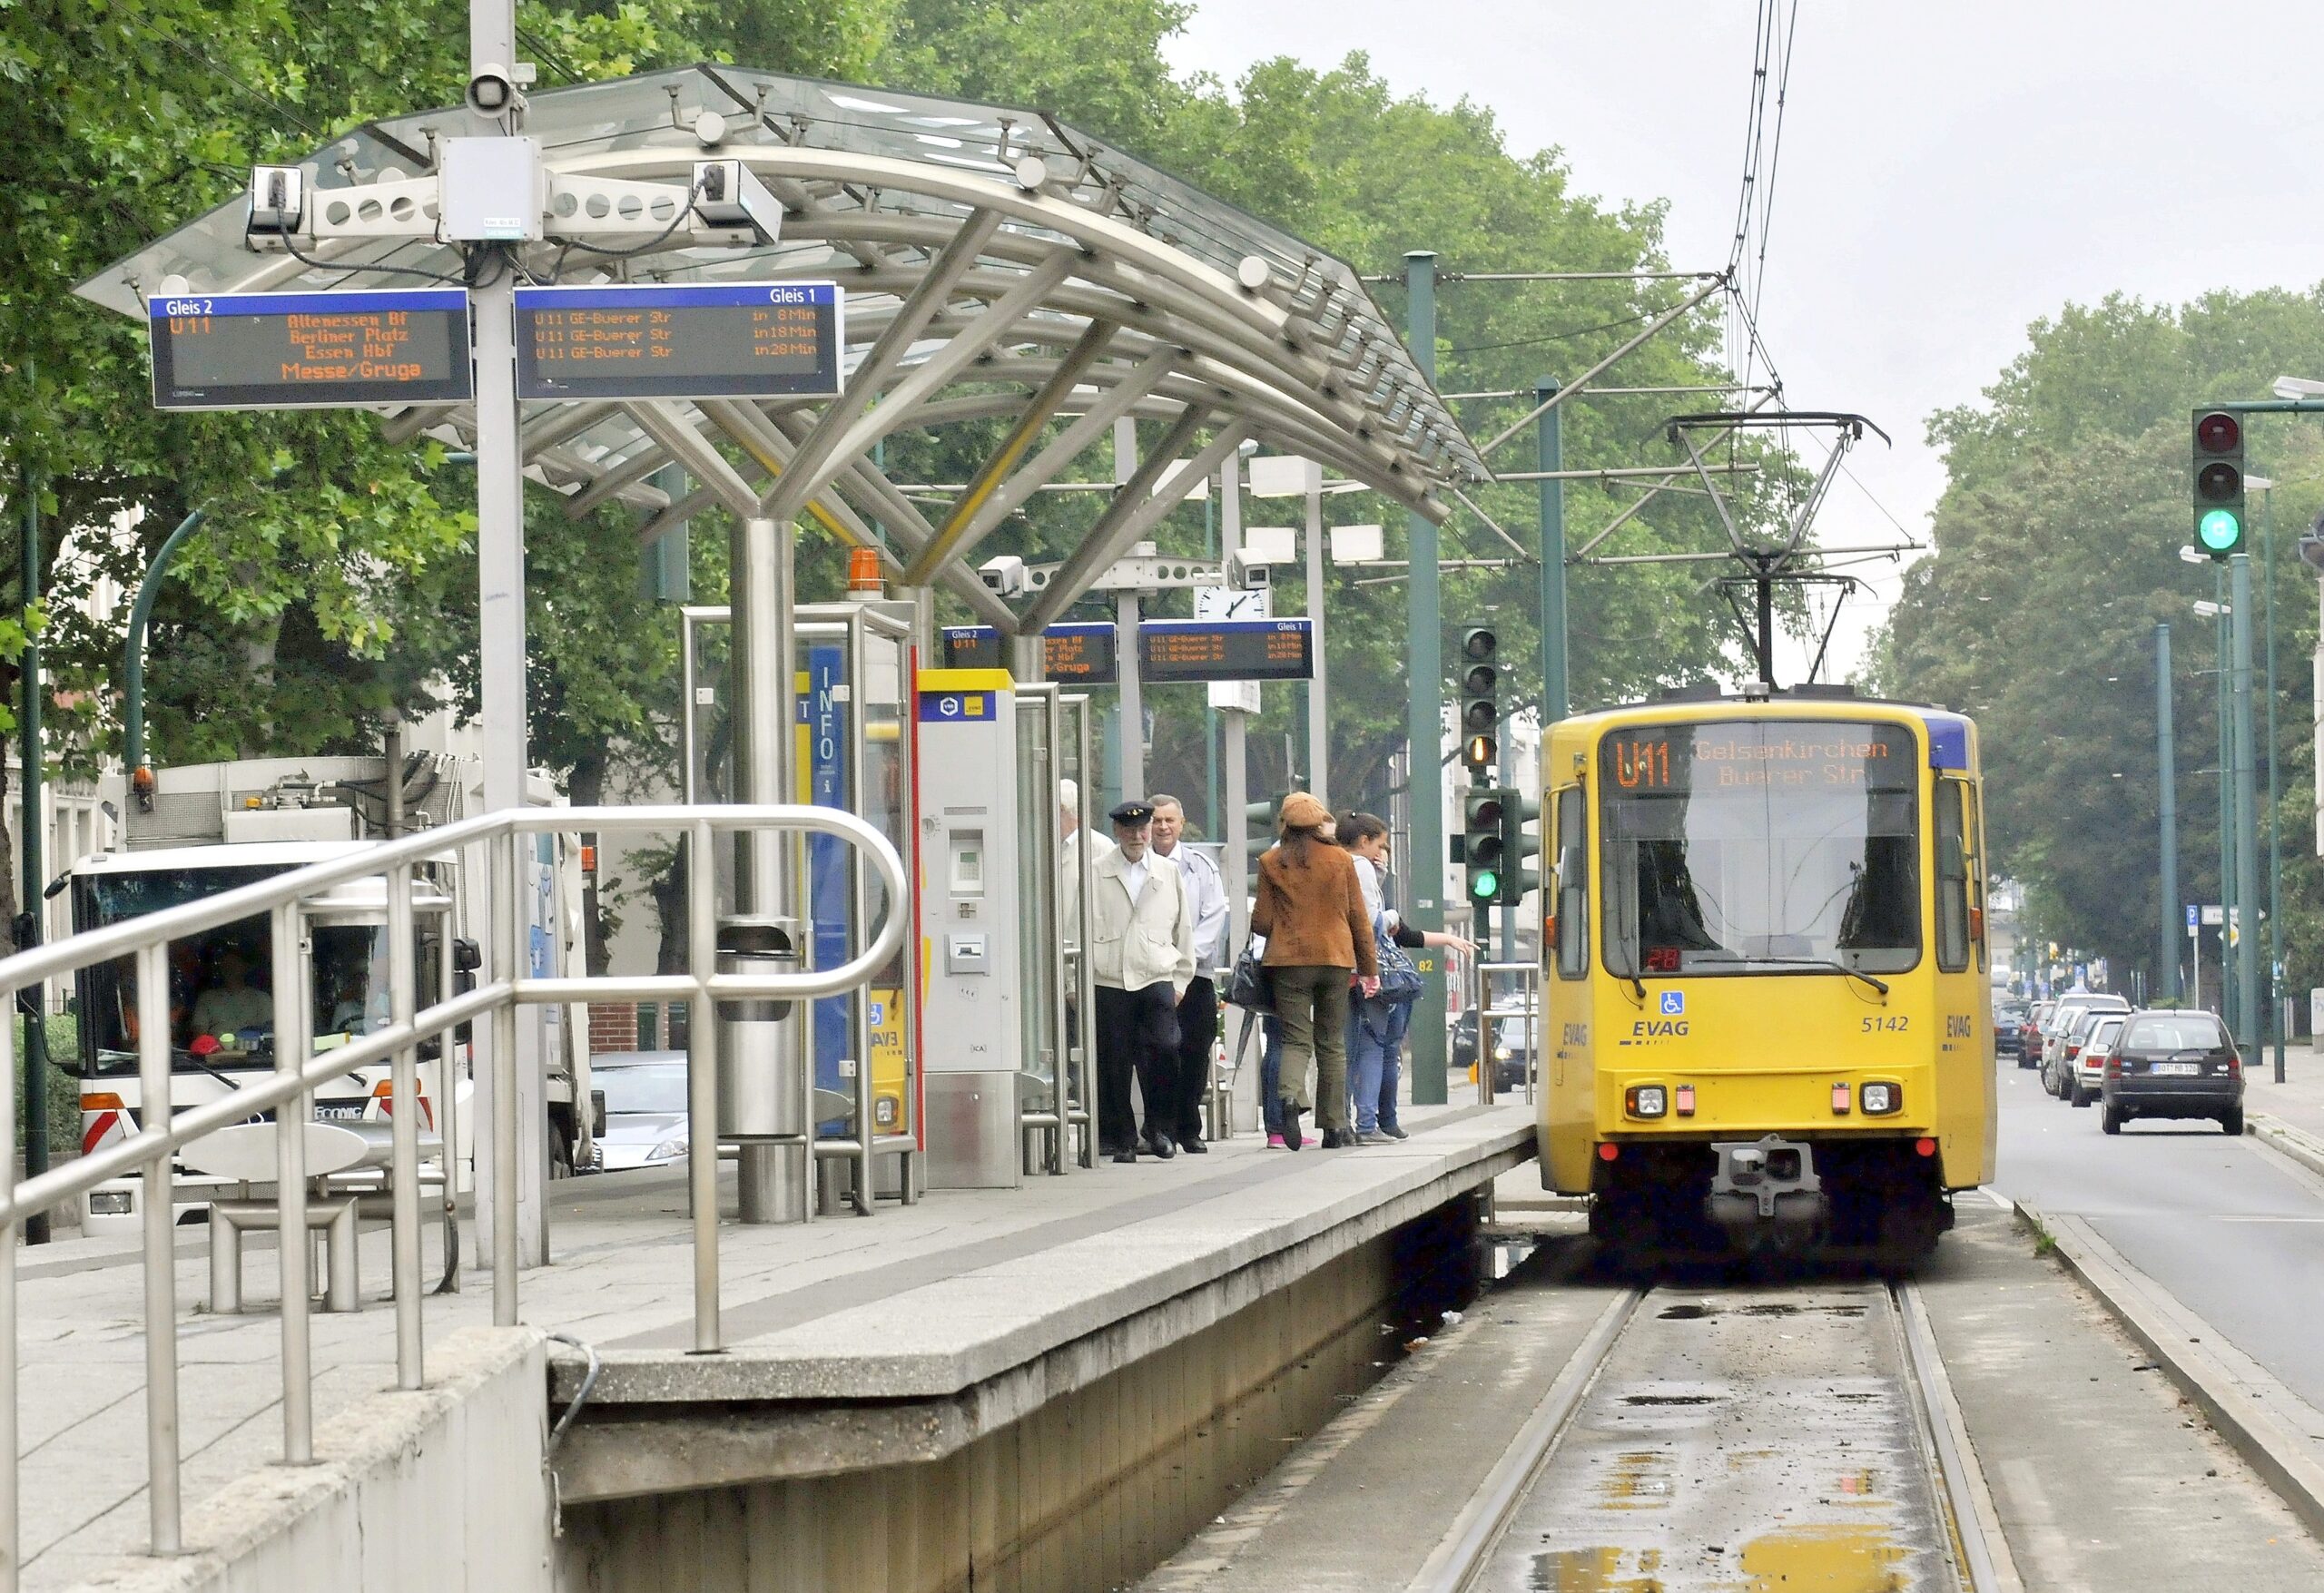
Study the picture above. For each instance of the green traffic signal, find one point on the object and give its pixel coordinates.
(1485, 884)
(2219, 483)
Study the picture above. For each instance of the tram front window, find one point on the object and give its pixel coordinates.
(1759, 847)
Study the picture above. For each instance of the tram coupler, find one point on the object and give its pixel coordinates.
(1765, 1192)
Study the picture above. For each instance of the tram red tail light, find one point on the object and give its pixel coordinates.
(1686, 1101)
(1842, 1100)
(1608, 1150)
(1926, 1147)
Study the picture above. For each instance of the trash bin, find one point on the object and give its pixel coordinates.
(762, 1049)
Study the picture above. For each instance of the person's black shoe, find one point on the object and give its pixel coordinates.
(1159, 1147)
(1193, 1145)
(1394, 1131)
(1126, 1155)
(1291, 1140)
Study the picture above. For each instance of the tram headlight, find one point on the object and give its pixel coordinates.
(1646, 1100)
(1882, 1100)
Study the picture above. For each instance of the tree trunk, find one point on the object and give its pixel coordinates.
(669, 892)
(586, 788)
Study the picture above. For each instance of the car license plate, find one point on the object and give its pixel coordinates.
(328, 1111)
(2177, 1069)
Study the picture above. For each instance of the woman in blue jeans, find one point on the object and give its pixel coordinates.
(1375, 1032)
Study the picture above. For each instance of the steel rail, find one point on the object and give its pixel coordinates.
(1958, 1477)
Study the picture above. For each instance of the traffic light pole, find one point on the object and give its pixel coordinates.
(1425, 722)
(1550, 450)
(2276, 1025)
(2247, 817)
(2223, 709)
(2167, 780)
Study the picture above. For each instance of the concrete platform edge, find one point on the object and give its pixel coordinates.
(442, 1487)
(2234, 1401)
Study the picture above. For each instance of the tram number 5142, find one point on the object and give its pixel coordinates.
(1898, 1025)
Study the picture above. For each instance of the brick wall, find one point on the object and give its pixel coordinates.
(613, 1026)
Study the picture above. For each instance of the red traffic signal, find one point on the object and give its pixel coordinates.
(2218, 432)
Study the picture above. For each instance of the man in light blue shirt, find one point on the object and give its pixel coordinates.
(1198, 1007)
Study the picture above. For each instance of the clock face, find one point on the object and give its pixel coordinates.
(1232, 602)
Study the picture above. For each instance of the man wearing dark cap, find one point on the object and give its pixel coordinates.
(1142, 957)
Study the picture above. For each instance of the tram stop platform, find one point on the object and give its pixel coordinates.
(1043, 1387)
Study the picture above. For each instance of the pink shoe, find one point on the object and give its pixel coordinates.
(1275, 1141)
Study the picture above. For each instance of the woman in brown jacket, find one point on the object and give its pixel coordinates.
(1310, 910)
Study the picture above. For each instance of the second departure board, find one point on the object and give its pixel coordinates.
(730, 341)
(1225, 650)
(1077, 654)
(309, 351)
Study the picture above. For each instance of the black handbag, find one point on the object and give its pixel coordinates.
(1249, 984)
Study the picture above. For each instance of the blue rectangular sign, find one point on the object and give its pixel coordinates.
(721, 340)
(311, 350)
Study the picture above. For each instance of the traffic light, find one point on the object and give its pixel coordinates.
(1480, 698)
(2219, 483)
(1484, 842)
(1517, 880)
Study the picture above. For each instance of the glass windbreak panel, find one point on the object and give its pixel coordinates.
(1036, 873)
(2189, 1031)
(222, 1001)
(1751, 847)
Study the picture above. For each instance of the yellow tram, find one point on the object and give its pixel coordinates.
(1766, 1003)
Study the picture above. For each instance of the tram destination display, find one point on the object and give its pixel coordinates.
(1075, 654)
(309, 351)
(726, 340)
(1225, 650)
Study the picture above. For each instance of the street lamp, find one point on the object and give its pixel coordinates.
(2209, 610)
(2188, 555)
(2298, 387)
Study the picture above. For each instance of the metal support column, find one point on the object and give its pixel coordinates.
(2223, 706)
(500, 614)
(1423, 725)
(1319, 718)
(772, 1181)
(2278, 1019)
(2247, 819)
(1131, 766)
(1548, 444)
(35, 758)
(2167, 783)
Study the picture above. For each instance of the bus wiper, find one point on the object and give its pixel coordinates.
(1854, 973)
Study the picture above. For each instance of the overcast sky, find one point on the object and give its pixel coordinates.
(1948, 172)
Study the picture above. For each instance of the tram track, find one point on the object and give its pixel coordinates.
(1802, 1435)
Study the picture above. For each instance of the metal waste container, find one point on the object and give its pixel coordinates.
(762, 1045)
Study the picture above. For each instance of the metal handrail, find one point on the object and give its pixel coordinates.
(162, 1131)
(1529, 983)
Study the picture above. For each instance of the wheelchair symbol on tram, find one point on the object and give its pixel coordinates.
(1674, 1003)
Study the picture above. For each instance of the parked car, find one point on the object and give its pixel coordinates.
(1513, 1053)
(645, 1109)
(1464, 1041)
(2088, 1069)
(2029, 1035)
(2064, 1054)
(2173, 1065)
(2057, 1032)
(2008, 1040)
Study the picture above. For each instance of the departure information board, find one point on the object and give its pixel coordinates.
(1224, 650)
(309, 351)
(730, 341)
(1078, 654)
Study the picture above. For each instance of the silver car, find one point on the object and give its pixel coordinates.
(2061, 1033)
(645, 1109)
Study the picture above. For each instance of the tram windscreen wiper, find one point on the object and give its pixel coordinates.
(1854, 973)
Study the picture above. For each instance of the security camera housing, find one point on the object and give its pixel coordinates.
(1003, 576)
(492, 92)
(728, 194)
(278, 203)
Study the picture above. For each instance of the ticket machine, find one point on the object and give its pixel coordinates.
(1008, 1086)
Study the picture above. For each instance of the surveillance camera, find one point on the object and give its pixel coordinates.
(729, 194)
(278, 202)
(1248, 576)
(1004, 575)
(492, 92)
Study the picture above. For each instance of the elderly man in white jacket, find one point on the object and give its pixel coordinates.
(1142, 957)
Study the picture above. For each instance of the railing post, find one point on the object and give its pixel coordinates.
(12, 1237)
(448, 1101)
(702, 1083)
(160, 1253)
(505, 963)
(293, 1247)
(404, 1128)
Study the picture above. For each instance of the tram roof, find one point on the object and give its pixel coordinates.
(1108, 280)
